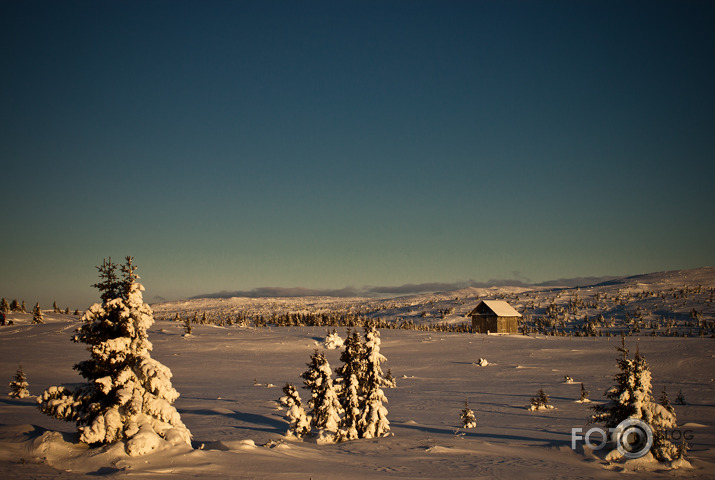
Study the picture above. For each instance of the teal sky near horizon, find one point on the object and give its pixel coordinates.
(236, 145)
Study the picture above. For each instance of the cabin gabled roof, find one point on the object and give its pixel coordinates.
(500, 308)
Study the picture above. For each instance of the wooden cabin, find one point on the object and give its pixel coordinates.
(495, 316)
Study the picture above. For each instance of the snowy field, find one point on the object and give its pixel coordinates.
(231, 377)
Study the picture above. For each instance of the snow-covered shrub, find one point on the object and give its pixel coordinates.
(19, 385)
(128, 395)
(482, 362)
(540, 401)
(333, 341)
(298, 420)
(468, 418)
(631, 397)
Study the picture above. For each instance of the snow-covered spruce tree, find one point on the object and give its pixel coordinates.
(299, 421)
(37, 316)
(584, 395)
(468, 418)
(352, 374)
(631, 397)
(324, 404)
(665, 401)
(128, 395)
(373, 414)
(4, 306)
(540, 401)
(19, 385)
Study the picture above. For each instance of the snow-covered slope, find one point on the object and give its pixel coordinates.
(667, 303)
(230, 378)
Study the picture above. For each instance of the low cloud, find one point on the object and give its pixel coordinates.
(368, 291)
(439, 287)
(284, 292)
(406, 289)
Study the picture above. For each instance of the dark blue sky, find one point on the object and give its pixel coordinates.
(234, 145)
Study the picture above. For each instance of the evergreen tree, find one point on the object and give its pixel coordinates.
(540, 401)
(666, 402)
(390, 381)
(19, 385)
(128, 395)
(4, 306)
(37, 316)
(299, 421)
(55, 308)
(584, 395)
(14, 306)
(324, 404)
(352, 374)
(23, 308)
(680, 399)
(631, 397)
(373, 414)
(468, 418)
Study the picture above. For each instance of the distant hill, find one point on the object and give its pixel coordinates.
(680, 302)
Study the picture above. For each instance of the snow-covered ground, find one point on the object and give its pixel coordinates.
(230, 379)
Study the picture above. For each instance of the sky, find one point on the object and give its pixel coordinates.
(236, 145)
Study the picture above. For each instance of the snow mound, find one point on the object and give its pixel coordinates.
(439, 449)
(646, 463)
(534, 408)
(333, 341)
(482, 362)
(237, 445)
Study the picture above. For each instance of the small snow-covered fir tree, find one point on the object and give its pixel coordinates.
(324, 404)
(468, 418)
(299, 421)
(584, 395)
(19, 385)
(631, 397)
(540, 401)
(680, 399)
(128, 395)
(665, 401)
(390, 381)
(373, 414)
(37, 316)
(4, 306)
(352, 374)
